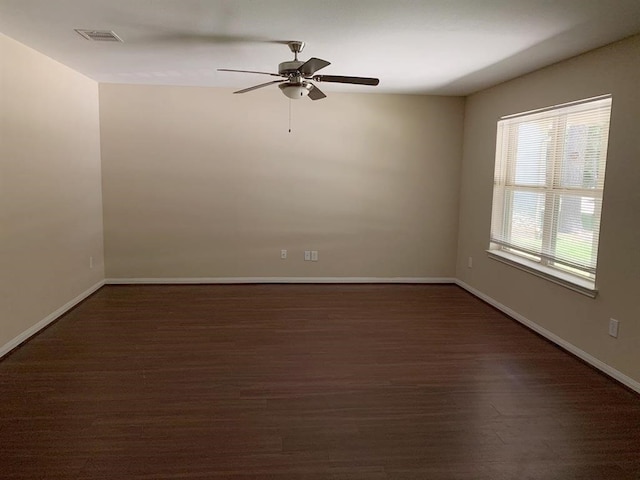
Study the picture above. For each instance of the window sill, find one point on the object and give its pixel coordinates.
(583, 286)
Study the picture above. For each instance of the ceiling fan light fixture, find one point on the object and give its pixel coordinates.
(296, 91)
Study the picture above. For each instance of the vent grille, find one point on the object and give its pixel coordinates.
(99, 35)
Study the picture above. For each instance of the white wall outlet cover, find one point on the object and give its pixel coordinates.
(314, 255)
(283, 254)
(307, 255)
(614, 325)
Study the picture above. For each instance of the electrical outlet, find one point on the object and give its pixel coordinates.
(470, 262)
(307, 255)
(314, 255)
(614, 326)
(283, 254)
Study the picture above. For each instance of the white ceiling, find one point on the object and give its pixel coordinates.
(413, 46)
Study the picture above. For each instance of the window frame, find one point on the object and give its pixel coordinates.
(561, 271)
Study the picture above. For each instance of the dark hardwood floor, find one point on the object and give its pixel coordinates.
(306, 382)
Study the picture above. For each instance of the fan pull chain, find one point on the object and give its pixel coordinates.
(289, 115)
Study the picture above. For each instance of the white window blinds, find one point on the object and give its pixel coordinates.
(549, 179)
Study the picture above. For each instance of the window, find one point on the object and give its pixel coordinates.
(547, 194)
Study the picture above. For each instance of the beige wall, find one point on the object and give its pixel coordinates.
(50, 198)
(198, 182)
(201, 183)
(580, 320)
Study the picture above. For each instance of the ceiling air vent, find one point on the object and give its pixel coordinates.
(99, 35)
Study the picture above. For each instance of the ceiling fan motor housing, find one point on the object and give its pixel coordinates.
(290, 68)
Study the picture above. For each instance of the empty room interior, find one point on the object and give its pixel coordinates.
(420, 262)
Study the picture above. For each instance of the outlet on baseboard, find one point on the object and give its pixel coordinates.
(614, 326)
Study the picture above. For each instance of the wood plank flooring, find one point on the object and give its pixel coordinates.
(306, 382)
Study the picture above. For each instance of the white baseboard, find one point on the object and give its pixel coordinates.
(591, 360)
(7, 347)
(244, 280)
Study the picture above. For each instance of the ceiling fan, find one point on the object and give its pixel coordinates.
(297, 75)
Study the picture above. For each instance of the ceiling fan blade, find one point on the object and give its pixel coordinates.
(250, 71)
(341, 79)
(315, 93)
(182, 39)
(312, 65)
(255, 87)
